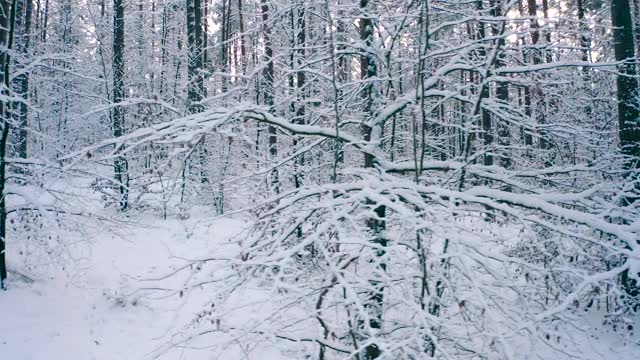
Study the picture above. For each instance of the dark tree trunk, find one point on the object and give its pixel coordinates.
(195, 91)
(243, 50)
(163, 49)
(585, 42)
(6, 23)
(205, 35)
(45, 21)
(24, 10)
(627, 85)
(487, 126)
(268, 94)
(547, 32)
(224, 51)
(628, 122)
(636, 24)
(536, 95)
(526, 92)
(120, 164)
(368, 71)
(502, 89)
(299, 28)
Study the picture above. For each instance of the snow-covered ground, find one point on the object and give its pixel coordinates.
(112, 304)
(97, 312)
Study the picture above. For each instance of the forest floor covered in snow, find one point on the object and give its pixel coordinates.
(111, 304)
(100, 309)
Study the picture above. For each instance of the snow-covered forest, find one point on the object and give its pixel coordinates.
(319, 179)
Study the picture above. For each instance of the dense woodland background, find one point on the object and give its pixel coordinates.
(422, 178)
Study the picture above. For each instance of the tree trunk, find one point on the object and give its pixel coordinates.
(627, 85)
(45, 21)
(195, 91)
(268, 86)
(163, 49)
(526, 135)
(636, 24)
(535, 92)
(487, 127)
(299, 28)
(628, 122)
(205, 37)
(547, 32)
(585, 41)
(4, 25)
(377, 225)
(5, 46)
(243, 51)
(24, 11)
(224, 52)
(502, 89)
(120, 164)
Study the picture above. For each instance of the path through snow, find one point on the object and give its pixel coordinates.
(82, 319)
